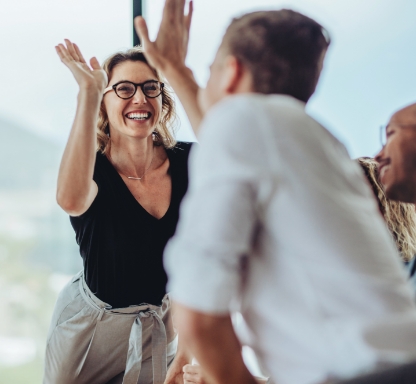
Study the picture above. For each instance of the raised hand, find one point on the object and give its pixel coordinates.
(168, 53)
(91, 78)
(171, 44)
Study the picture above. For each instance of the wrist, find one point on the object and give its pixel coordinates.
(89, 93)
(182, 358)
(176, 72)
(90, 90)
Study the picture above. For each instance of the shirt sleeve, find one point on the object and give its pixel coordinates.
(218, 215)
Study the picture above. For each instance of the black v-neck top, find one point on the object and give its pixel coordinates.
(121, 243)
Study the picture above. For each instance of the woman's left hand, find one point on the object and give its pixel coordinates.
(192, 374)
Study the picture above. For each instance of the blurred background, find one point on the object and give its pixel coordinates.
(368, 74)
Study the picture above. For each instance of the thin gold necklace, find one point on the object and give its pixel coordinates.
(139, 178)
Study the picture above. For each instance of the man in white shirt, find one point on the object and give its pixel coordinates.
(278, 223)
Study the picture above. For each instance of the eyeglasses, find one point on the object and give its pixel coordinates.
(127, 89)
(383, 135)
(383, 131)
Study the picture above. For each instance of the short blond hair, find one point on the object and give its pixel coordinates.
(164, 132)
(400, 217)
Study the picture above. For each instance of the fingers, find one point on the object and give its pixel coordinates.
(188, 17)
(60, 52)
(94, 63)
(192, 374)
(78, 51)
(142, 31)
(173, 9)
(63, 53)
(69, 53)
(192, 369)
(194, 379)
(179, 9)
(71, 50)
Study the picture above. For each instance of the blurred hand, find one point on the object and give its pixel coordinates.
(92, 78)
(192, 374)
(171, 44)
(175, 374)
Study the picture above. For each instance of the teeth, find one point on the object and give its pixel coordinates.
(138, 116)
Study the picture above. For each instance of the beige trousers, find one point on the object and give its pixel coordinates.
(89, 342)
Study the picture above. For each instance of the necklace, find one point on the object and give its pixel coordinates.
(139, 178)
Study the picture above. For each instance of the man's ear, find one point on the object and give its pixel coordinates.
(233, 75)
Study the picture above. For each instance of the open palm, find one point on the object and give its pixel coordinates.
(93, 78)
(171, 44)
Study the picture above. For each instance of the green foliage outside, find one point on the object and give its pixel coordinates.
(27, 301)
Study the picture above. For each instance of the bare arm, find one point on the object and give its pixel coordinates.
(182, 358)
(185, 86)
(212, 340)
(217, 231)
(168, 53)
(76, 189)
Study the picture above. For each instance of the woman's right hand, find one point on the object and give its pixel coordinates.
(91, 79)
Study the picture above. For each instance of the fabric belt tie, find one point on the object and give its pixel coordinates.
(134, 354)
(159, 348)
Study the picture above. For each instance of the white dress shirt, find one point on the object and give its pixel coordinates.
(279, 223)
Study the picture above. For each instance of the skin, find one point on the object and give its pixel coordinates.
(397, 159)
(208, 337)
(227, 77)
(132, 152)
(168, 52)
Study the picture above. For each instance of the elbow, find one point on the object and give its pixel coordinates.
(71, 205)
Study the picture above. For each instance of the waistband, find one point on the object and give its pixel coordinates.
(93, 300)
(160, 347)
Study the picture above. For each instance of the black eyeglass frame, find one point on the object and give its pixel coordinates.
(136, 85)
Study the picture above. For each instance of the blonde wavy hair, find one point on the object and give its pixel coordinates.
(400, 217)
(164, 132)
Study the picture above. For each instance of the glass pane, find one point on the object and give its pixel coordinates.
(369, 69)
(38, 251)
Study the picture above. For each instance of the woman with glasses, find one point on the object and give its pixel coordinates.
(121, 180)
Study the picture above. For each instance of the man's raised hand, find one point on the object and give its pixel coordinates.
(171, 45)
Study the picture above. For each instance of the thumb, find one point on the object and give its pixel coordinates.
(142, 31)
(94, 63)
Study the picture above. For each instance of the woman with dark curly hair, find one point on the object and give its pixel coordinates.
(122, 186)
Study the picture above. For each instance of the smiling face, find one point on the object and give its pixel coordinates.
(138, 116)
(397, 160)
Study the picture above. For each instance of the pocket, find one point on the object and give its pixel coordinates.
(68, 305)
(69, 343)
(76, 321)
(67, 296)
